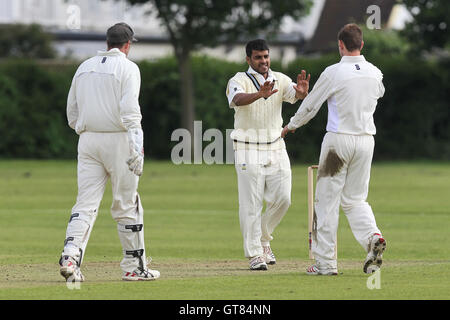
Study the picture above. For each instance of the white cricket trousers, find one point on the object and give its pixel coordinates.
(102, 156)
(343, 179)
(263, 175)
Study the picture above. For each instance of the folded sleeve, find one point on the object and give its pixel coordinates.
(233, 88)
(289, 93)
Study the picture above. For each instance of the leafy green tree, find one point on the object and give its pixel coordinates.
(193, 24)
(379, 43)
(25, 41)
(429, 28)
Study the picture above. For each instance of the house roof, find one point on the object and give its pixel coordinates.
(337, 13)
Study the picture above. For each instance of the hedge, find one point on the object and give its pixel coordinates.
(412, 118)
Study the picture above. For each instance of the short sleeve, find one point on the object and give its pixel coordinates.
(233, 88)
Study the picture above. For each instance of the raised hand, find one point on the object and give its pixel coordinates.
(266, 89)
(302, 86)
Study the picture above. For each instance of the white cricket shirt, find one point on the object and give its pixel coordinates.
(104, 96)
(234, 87)
(259, 124)
(352, 88)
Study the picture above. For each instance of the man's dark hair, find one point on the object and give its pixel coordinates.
(352, 37)
(119, 34)
(257, 45)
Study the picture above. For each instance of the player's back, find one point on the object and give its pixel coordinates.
(98, 85)
(357, 86)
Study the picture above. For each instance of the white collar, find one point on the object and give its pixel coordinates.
(260, 77)
(359, 58)
(112, 52)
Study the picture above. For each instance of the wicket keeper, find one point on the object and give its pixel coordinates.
(103, 109)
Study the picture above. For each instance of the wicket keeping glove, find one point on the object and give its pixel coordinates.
(136, 161)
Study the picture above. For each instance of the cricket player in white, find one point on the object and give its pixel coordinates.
(103, 108)
(261, 161)
(352, 88)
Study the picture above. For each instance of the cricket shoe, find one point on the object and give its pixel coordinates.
(258, 263)
(269, 255)
(141, 275)
(374, 258)
(70, 270)
(315, 270)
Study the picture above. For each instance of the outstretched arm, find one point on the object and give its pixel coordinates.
(266, 90)
(311, 105)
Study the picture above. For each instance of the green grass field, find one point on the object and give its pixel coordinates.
(192, 233)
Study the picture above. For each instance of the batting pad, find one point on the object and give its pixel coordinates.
(78, 233)
(132, 239)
